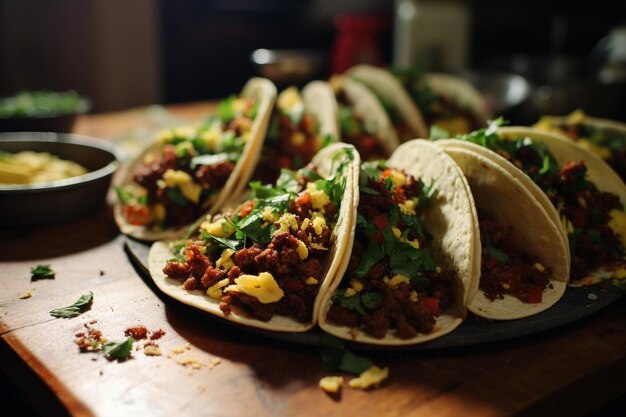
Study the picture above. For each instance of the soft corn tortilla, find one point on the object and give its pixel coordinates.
(461, 92)
(336, 263)
(264, 91)
(453, 223)
(503, 195)
(386, 86)
(367, 106)
(598, 172)
(319, 99)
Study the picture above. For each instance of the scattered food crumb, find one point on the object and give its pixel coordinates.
(214, 363)
(102, 273)
(92, 340)
(179, 350)
(592, 296)
(157, 334)
(27, 294)
(370, 377)
(190, 362)
(137, 332)
(101, 372)
(151, 350)
(331, 384)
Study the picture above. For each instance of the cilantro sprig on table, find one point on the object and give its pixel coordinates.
(80, 306)
(336, 357)
(41, 272)
(118, 350)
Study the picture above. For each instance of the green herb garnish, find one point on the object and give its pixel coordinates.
(80, 306)
(41, 272)
(336, 357)
(118, 350)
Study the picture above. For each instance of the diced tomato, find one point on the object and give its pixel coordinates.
(303, 200)
(400, 196)
(579, 216)
(246, 208)
(380, 221)
(535, 295)
(432, 303)
(136, 214)
(284, 162)
(386, 173)
(308, 123)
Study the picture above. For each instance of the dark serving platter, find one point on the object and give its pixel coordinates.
(575, 304)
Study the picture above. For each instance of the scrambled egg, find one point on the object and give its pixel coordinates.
(331, 383)
(29, 167)
(174, 178)
(263, 287)
(371, 376)
(617, 223)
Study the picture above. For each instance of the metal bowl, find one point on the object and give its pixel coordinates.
(57, 122)
(287, 66)
(58, 201)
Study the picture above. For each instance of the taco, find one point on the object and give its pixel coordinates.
(266, 262)
(301, 125)
(604, 138)
(190, 171)
(586, 192)
(446, 101)
(363, 121)
(415, 259)
(402, 110)
(525, 258)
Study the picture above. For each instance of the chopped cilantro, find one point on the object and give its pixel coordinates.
(79, 306)
(118, 350)
(359, 302)
(41, 271)
(123, 195)
(176, 196)
(494, 252)
(437, 133)
(372, 255)
(225, 110)
(288, 181)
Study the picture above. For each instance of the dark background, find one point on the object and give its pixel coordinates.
(125, 54)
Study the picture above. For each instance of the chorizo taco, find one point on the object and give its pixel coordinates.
(415, 259)
(588, 195)
(266, 262)
(525, 258)
(603, 137)
(446, 101)
(190, 171)
(363, 121)
(302, 124)
(402, 110)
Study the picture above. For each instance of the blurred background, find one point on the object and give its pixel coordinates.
(532, 56)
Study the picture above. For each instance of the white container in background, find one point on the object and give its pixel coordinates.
(431, 35)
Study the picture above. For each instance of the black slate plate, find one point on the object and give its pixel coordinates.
(575, 304)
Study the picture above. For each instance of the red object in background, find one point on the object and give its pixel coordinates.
(357, 40)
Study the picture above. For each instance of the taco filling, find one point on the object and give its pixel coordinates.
(606, 142)
(174, 185)
(267, 256)
(392, 283)
(592, 218)
(357, 132)
(505, 270)
(292, 139)
(437, 110)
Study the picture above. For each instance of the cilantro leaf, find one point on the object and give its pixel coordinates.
(288, 181)
(79, 306)
(176, 196)
(233, 244)
(494, 252)
(225, 110)
(372, 255)
(437, 133)
(359, 302)
(118, 350)
(336, 357)
(41, 271)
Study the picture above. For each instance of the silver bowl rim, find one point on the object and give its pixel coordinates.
(63, 138)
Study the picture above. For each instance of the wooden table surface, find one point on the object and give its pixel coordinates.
(573, 369)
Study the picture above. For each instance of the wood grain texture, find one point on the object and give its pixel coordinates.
(572, 369)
